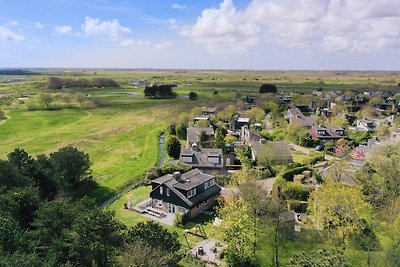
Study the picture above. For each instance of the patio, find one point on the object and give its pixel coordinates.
(209, 250)
(145, 209)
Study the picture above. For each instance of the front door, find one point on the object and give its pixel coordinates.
(171, 208)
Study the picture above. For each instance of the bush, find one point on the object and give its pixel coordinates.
(314, 160)
(178, 220)
(288, 175)
(296, 190)
(193, 96)
(268, 88)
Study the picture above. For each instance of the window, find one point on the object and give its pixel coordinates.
(209, 183)
(161, 190)
(205, 203)
(191, 193)
(167, 191)
(182, 210)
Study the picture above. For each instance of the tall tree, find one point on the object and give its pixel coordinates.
(238, 231)
(71, 165)
(385, 159)
(153, 238)
(337, 207)
(173, 146)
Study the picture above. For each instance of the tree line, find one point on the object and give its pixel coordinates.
(58, 83)
(159, 91)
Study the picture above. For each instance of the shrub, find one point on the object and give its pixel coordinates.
(296, 190)
(288, 175)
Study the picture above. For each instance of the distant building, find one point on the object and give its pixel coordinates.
(364, 126)
(327, 133)
(209, 111)
(241, 122)
(295, 116)
(193, 136)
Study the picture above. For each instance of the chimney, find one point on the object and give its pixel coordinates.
(194, 147)
(263, 141)
(177, 176)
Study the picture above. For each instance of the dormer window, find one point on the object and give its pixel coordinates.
(191, 193)
(209, 183)
(339, 132)
(321, 132)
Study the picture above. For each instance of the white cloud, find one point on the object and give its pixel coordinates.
(163, 45)
(223, 29)
(63, 29)
(8, 35)
(38, 25)
(352, 25)
(106, 30)
(178, 6)
(12, 23)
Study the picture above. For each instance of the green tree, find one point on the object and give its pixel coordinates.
(46, 100)
(72, 166)
(54, 83)
(173, 146)
(153, 238)
(238, 231)
(193, 96)
(203, 139)
(385, 160)
(255, 114)
(337, 207)
(268, 88)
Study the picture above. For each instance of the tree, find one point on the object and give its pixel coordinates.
(255, 114)
(2, 115)
(268, 88)
(45, 99)
(238, 231)
(72, 166)
(337, 207)
(203, 138)
(385, 160)
(193, 96)
(54, 83)
(181, 131)
(80, 97)
(220, 134)
(173, 146)
(153, 238)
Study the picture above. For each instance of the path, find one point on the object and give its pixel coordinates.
(307, 151)
(267, 123)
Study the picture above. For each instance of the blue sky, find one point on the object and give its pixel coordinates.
(207, 34)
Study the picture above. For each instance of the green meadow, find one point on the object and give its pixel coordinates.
(121, 136)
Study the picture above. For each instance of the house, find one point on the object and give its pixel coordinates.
(189, 194)
(295, 116)
(141, 82)
(364, 126)
(208, 160)
(327, 133)
(194, 134)
(240, 122)
(257, 144)
(201, 118)
(209, 111)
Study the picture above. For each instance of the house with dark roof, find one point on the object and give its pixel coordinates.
(257, 144)
(327, 133)
(193, 136)
(295, 116)
(189, 193)
(208, 160)
(209, 111)
(240, 122)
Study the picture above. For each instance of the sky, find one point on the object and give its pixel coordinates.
(206, 34)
